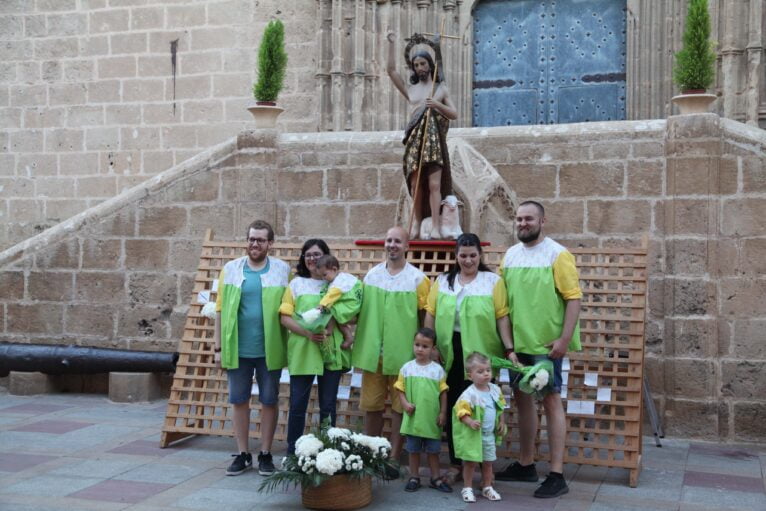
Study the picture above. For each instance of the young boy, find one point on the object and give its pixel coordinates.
(343, 290)
(422, 386)
(477, 426)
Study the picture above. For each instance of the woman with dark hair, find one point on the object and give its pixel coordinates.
(468, 308)
(304, 358)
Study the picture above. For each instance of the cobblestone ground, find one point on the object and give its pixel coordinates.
(83, 452)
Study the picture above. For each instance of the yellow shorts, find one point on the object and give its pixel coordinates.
(375, 388)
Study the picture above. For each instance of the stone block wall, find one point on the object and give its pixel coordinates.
(91, 104)
(120, 274)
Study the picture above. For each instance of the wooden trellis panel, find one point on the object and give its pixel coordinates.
(614, 284)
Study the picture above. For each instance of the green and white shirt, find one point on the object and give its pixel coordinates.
(539, 281)
(422, 385)
(474, 308)
(467, 441)
(303, 355)
(273, 283)
(343, 297)
(388, 319)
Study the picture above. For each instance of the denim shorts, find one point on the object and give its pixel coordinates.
(420, 444)
(241, 382)
(530, 360)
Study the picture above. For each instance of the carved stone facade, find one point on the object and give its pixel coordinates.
(355, 93)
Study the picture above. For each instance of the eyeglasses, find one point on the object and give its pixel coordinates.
(257, 241)
(312, 256)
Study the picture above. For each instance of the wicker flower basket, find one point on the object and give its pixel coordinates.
(340, 492)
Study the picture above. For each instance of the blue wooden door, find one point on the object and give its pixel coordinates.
(548, 61)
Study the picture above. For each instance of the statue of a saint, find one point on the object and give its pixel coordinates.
(425, 134)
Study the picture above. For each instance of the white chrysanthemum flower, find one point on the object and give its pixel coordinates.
(338, 433)
(208, 310)
(540, 380)
(345, 446)
(354, 462)
(329, 461)
(308, 445)
(311, 315)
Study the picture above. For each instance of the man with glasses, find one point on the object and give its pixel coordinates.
(249, 338)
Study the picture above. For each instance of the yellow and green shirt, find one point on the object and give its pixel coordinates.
(388, 319)
(422, 385)
(473, 310)
(539, 281)
(466, 440)
(303, 355)
(343, 297)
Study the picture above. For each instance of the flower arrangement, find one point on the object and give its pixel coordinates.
(531, 379)
(331, 451)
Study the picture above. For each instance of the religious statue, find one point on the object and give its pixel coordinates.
(426, 157)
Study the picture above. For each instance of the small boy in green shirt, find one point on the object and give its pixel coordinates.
(478, 426)
(422, 386)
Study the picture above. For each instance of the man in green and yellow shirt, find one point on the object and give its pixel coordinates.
(249, 338)
(544, 301)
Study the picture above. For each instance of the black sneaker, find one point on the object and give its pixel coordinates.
(553, 486)
(518, 472)
(265, 464)
(242, 461)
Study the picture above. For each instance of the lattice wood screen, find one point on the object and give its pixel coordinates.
(603, 389)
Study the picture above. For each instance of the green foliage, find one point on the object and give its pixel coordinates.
(272, 61)
(695, 63)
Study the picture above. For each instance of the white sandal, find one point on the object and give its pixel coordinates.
(489, 493)
(468, 496)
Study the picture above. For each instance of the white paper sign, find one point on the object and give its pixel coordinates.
(565, 377)
(504, 377)
(604, 394)
(356, 380)
(203, 297)
(563, 392)
(344, 392)
(591, 379)
(254, 390)
(284, 377)
(215, 286)
(581, 407)
(565, 364)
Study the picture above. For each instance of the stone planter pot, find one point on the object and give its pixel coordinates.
(265, 115)
(341, 492)
(693, 103)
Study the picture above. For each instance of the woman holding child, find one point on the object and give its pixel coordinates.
(468, 309)
(305, 359)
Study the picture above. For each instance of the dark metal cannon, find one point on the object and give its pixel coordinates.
(81, 360)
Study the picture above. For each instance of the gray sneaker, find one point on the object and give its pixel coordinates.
(265, 464)
(242, 461)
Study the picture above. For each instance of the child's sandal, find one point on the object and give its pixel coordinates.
(441, 485)
(413, 484)
(489, 493)
(468, 496)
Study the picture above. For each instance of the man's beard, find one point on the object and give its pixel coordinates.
(531, 235)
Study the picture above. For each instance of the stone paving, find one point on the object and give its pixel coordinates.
(83, 452)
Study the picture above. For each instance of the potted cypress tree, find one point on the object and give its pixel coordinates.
(272, 61)
(695, 63)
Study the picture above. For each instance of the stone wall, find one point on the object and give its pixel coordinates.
(90, 104)
(120, 274)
